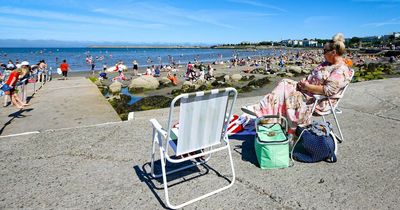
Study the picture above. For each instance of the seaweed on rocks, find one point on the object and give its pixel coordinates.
(120, 104)
(204, 88)
(245, 89)
(372, 71)
(247, 78)
(103, 90)
(254, 84)
(258, 71)
(219, 84)
(191, 88)
(176, 92)
(220, 78)
(152, 102)
(188, 88)
(259, 83)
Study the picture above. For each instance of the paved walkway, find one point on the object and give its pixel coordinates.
(106, 166)
(58, 104)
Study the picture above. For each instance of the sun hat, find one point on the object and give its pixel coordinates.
(24, 63)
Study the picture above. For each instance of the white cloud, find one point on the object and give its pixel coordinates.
(394, 21)
(68, 17)
(168, 15)
(258, 4)
(173, 16)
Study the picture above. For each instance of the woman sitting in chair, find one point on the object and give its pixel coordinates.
(294, 100)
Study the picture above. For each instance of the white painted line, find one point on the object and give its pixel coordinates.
(85, 126)
(20, 134)
(60, 129)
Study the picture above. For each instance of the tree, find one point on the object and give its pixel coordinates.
(391, 38)
(265, 43)
(354, 41)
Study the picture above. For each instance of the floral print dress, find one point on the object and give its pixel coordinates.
(296, 105)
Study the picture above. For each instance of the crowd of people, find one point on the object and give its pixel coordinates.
(276, 61)
(155, 70)
(15, 76)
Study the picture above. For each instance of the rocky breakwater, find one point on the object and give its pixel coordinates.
(372, 71)
(158, 92)
(140, 85)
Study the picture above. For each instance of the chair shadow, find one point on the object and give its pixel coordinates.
(145, 176)
(247, 151)
(17, 114)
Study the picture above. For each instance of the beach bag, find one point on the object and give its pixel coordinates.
(315, 143)
(271, 142)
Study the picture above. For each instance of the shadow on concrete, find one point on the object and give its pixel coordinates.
(144, 174)
(17, 114)
(247, 151)
(29, 98)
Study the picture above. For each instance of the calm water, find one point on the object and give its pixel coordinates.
(134, 98)
(76, 57)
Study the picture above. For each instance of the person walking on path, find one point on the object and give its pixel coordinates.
(64, 69)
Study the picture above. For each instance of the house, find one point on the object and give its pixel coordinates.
(289, 42)
(310, 43)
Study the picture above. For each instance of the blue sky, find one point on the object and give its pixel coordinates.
(202, 21)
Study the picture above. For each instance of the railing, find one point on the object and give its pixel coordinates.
(23, 85)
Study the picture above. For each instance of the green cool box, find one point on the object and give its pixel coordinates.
(272, 146)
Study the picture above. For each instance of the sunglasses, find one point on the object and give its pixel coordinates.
(326, 51)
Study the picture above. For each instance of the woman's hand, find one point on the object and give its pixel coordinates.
(306, 86)
(302, 84)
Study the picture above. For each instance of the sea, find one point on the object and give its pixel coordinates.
(80, 59)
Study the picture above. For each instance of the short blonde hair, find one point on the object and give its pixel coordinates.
(337, 43)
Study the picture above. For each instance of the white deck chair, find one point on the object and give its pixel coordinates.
(332, 109)
(203, 120)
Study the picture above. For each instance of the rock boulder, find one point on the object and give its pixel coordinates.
(115, 87)
(144, 82)
(165, 81)
(295, 69)
(236, 77)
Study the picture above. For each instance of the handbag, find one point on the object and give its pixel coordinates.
(315, 143)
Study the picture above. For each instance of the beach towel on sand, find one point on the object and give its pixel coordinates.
(245, 131)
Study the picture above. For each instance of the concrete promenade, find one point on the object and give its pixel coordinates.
(58, 104)
(106, 165)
